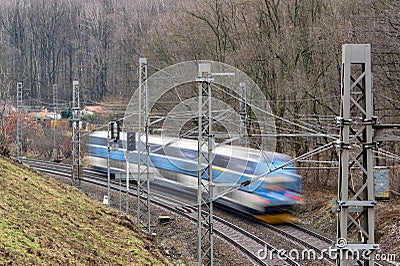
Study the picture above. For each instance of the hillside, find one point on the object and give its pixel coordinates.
(48, 223)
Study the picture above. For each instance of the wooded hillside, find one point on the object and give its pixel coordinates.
(285, 45)
(291, 49)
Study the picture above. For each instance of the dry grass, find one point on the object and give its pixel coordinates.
(43, 222)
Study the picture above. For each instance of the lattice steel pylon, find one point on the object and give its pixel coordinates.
(19, 119)
(243, 140)
(76, 136)
(205, 185)
(143, 195)
(356, 201)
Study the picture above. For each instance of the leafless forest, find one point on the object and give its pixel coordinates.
(291, 49)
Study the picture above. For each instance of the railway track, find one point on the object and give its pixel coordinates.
(316, 247)
(308, 240)
(309, 245)
(311, 240)
(245, 241)
(257, 250)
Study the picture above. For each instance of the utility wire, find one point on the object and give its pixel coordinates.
(335, 137)
(388, 154)
(301, 157)
(273, 115)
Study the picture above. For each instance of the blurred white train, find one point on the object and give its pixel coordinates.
(270, 198)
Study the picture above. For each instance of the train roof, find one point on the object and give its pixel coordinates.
(228, 150)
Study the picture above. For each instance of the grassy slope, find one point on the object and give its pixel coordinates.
(45, 222)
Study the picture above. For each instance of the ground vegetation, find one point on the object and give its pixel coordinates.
(44, 222)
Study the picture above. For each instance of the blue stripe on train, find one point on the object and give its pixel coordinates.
(184, 167)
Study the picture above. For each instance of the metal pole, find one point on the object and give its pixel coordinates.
(120, 193)
(19, 120)
(130, 146)
(127, 183)
(76, 136)
(108, 165)
(55, 98)
(143, 196)
(210, 139)
(205, 243)
(243, 115)
(199, 178)
(356, 201)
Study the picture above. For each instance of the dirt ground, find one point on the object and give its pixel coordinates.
(317, 213)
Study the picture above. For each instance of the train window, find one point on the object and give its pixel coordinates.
(235, 164)
(189, 154)
(221, 161)
(97, 141)
(155, 148)
(102, 141)
(250, 167)
(171, 151)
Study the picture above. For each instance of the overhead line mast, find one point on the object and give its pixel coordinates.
(54, 120)
(205, 237)
(356, 199)
(19, 119)
(76, 136)
(143, 149)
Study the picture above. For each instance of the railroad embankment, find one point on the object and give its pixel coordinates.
(43, 222)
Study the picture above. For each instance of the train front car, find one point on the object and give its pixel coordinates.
(281, 190)
(270, 198)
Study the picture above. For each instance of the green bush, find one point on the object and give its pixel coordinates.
(66, 113)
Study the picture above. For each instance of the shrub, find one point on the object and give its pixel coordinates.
(4, 145)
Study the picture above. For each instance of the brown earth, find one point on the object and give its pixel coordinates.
(317, 213)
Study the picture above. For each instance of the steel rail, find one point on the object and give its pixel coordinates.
(294, 232)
